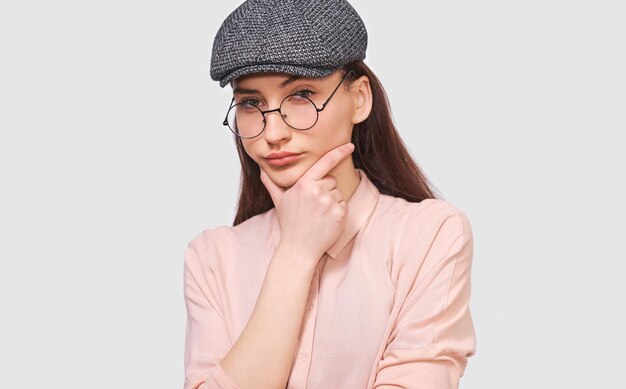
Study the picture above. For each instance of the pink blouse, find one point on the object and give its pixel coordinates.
(388, 306)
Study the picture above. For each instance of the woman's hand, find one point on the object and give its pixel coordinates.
(312, 212)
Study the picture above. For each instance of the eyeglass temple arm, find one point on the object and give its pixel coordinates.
(331, 95)
(229, 107)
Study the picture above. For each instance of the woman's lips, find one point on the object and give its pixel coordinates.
(284, 160)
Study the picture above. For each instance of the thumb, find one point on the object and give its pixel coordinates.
(275, 191)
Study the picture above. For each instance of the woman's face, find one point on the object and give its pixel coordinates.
(333, 127)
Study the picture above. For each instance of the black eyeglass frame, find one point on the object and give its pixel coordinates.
(318, 110)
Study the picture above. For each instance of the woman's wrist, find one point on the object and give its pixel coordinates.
(296, 259)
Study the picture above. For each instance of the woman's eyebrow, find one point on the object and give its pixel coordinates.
(289, 80)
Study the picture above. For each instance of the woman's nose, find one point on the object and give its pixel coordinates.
(275, 127)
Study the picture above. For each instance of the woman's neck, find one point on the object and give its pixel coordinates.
(347, 178)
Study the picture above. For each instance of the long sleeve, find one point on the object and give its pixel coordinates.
(206, 337)
(434, 334)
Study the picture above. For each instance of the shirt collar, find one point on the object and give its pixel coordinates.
(360, 207)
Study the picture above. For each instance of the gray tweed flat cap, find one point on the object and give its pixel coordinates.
(309, 38)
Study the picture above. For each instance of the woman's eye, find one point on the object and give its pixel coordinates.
(253, 102)
(304, 92)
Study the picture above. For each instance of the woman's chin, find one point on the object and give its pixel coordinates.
(286, 178)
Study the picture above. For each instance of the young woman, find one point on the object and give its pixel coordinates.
(342, 268)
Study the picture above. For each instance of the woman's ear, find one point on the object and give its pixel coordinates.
(361, 92)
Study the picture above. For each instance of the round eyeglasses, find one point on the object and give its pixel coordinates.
(246, 120)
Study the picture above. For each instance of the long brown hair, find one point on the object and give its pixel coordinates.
(379, 152)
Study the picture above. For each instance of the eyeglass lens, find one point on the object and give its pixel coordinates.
(245, 119)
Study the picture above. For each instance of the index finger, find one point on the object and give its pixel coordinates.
(325, 164)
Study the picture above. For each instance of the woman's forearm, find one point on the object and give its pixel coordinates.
(262, 356)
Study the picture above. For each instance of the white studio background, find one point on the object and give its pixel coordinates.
(113, 156)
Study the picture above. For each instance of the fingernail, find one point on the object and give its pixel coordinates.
(351, 145)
